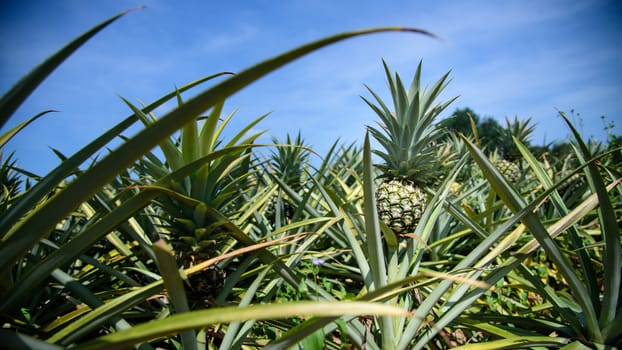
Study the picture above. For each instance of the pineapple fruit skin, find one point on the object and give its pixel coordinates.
(400, 204)
(510, 170)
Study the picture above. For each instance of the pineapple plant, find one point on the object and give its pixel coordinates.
(216, 182)
(509, 162)
(510, 170)
(289, 162)
(409, 137)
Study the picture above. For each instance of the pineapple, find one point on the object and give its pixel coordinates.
(218, 183)
(520, 130)
(289, 163)
(196, 238)
(509, 163)
(409, 138)
(509, 170)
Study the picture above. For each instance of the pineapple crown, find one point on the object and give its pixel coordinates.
(519, 129)
(290, 160)
(408, 135)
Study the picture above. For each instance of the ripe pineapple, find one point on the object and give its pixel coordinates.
(409, 138)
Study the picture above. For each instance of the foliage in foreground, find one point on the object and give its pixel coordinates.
(216, 245)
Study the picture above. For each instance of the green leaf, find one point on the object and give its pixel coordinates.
(611, 236)
(43, 220)
(516, 203)
(197, 319)
(315, 341)
(4, 138)
(517, 342)
(175, 288)
(577, 345)
(373, 236)
(105, 312)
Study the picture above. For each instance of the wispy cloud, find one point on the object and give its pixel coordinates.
(507, 58)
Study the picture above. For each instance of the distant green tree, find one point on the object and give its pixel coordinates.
(460, 122)
(493, 136)
(491, 133)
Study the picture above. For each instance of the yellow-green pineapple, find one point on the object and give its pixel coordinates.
(508, 169)
(408, 137)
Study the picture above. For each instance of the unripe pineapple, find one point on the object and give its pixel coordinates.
(509, 170)
(400, 204)
(508, 161)
(196, 239)
(215, 183)
(408, 136)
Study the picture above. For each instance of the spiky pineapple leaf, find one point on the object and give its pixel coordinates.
(124, 302)
(516, 203)
(198, 319)
(167, 265)
(4, 138)
(611, 237)
(47, 183)
(407, 135)
(43, 219)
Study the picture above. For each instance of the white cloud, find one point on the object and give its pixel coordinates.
(507, 58)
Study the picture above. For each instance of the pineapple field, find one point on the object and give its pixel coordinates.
(190, 234)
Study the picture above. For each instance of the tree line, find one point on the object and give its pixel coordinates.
(493, 136)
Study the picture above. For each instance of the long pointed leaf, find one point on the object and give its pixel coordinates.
(4, 138)
(515, 202)
(375, 249)
(198, 319)
(175, 288)
(51, 180)
(43, 221)
(372, 223)
(611, 237)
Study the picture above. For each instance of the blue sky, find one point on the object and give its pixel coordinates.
(524, 58)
